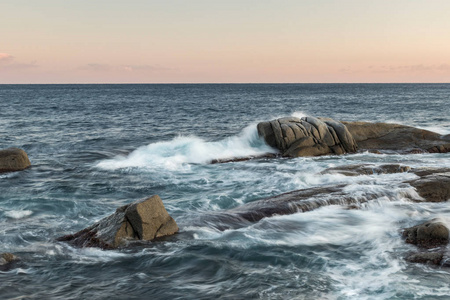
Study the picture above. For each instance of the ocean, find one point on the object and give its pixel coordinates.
(94, 148)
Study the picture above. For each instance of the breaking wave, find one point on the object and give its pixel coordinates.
(190, 150)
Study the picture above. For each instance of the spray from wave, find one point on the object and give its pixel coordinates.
(190, 150)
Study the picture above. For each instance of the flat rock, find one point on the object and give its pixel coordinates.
(396, 137)
(143, 220)
(362, 169)
(13, 159)
(430, 258)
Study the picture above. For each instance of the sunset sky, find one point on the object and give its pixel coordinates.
(65, 41)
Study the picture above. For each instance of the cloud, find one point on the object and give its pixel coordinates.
(7, 62)
(5, 58)
(418, 68)
(124, 68)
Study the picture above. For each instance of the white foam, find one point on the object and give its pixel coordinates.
(18, 214)
(181, 151)
(299, 114)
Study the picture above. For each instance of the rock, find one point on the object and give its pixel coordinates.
(13, 159)
(356, 170)
(395, 137)
(307, 136)
(430, 234)
(7, 260)
(145, 220)
(299, 201)
(311, 136)
(238, 159)
(433, 186)
(432, 258)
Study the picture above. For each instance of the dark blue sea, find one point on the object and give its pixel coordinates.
(94, 148)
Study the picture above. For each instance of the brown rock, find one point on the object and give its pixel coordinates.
(433, 187)
(7, 261)
(355, 170)
(6, 258)
(430, 234)
(308, 136)
(145, 219)
(13, 159)
(395, 137)
(432, 258)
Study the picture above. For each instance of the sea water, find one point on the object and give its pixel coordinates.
(94, 148)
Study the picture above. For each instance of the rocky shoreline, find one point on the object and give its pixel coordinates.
(147, 220)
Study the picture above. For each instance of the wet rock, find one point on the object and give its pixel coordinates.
(13, 159)
(238, 159)
(430, 234)
(145, 220)
(7, 260)
(307, 136)
(431, 258)
(432, 186)
(299, 201)
(356, 170)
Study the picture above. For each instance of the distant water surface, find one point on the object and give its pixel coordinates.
(97, 147)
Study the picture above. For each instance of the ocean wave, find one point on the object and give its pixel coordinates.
(190, 150)
(18, 214)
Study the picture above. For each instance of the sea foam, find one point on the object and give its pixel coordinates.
(190, 150)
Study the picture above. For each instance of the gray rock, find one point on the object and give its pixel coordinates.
(430, 234)
(145, 219)
(13, 159)
(308, 136)
(433, 187)
(356, 170)
(431, 258)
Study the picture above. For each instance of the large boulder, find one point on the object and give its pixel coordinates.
(13, 159)
(145, 220)
(311, 136)
(307, 136)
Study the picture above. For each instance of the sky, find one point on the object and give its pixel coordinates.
(209, 41)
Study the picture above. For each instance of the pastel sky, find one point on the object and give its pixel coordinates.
(191, 41)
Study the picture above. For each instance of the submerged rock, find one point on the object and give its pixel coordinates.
(7, 260)
(13, 159)
(431, 258)
(145, 219)
(356, 170)
(433, 184)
